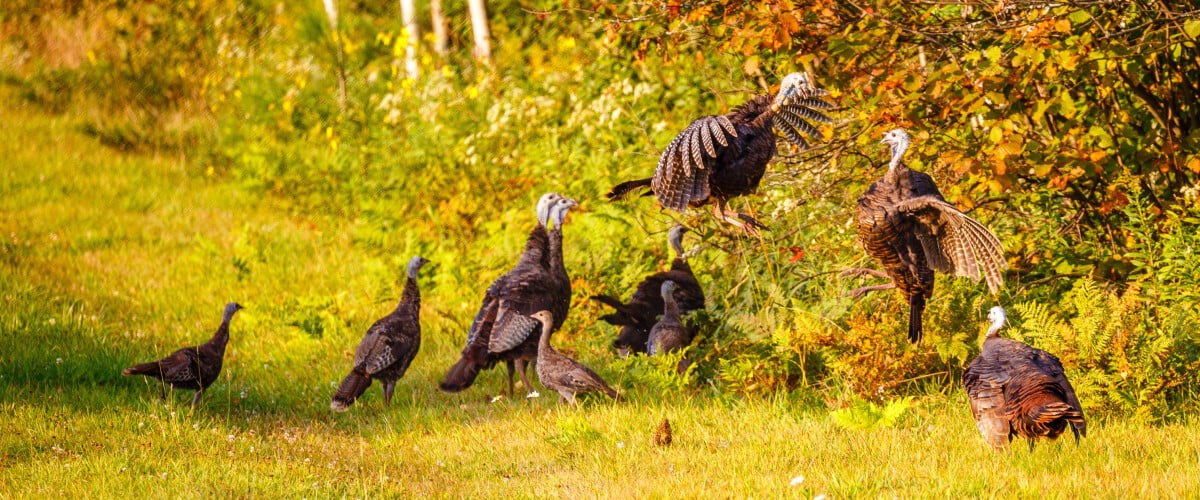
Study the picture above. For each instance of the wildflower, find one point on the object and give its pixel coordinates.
(51, 321)
(620, 444)
(58, 361)
(243, 394)
(797, 480)
(497, 398)
(533, 394)
(820, 497)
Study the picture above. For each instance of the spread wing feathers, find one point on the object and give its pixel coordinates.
(955, 243)
(681, 176)
(792, 119)
(374, 353)
(511, 329)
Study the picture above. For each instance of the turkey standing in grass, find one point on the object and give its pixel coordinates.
(668, 335)
(719, 157)
(564, 375)
(388, 348)
(905, 224)
(192, 368)
(502, 330)
(1018, 390)
(638, 316)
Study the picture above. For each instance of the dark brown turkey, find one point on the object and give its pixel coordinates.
(388, 348)
(669, 334)
(638, 316)
(1018, 390)
(191, 368)
(906, 225)
(564, 375)
(719, 157)
(503, 329)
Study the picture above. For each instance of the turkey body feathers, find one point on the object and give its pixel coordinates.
(1018, 390)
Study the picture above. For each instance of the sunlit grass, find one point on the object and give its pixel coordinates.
(107, 259)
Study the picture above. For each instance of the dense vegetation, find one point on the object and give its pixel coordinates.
(1071, 129)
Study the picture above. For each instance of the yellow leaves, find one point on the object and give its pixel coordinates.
(565, 43)
(996, 134)
(992, 53)
(1062, 26)
(1194, 165)
(1097, 155)
(472, 92)
(750, 66)
(1066, 105)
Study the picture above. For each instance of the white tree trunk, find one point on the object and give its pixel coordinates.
(441, 37)
(479, 25)
(408, 13)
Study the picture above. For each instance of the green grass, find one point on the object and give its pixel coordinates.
(108, 258)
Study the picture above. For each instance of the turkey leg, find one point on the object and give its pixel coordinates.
(388, 387)
(523, 368)
(747, 223)
(858, 293)
(196, 398)
(856, 272)
(509, 365)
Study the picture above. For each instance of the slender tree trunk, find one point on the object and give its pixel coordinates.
(441, 37)
(332, 13)
(408, 13)
(479, 25)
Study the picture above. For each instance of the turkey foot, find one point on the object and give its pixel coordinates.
(858, 293)
(857, 272)
(747, 223)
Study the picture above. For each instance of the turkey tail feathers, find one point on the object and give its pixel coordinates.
(147, 369)
(353, 386)
(916, 305)
(462, 374)
(620, 190)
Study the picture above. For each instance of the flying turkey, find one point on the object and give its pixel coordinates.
(638, 316)
(906, 225)
(1018, 390)
(388, 348)
(564, 375)
(719, 157)
(502, 329)
(191, 368)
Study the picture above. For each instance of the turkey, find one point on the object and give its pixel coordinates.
(502, 329)
(668, 335)
(1018, 390)
(719, 157)
(192, 368)
(906, 225)
(564, 375)
(388, 348)
(638, 316)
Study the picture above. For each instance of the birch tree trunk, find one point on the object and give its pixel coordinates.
(441, 37)
(479, 25)
(408, 13)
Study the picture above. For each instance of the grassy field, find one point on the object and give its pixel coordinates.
(108, 258)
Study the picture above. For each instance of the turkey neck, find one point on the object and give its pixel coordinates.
(670, 307)
(411, 299)
(556, 247)
(221, 338)
(544, 339)
(896, 167)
